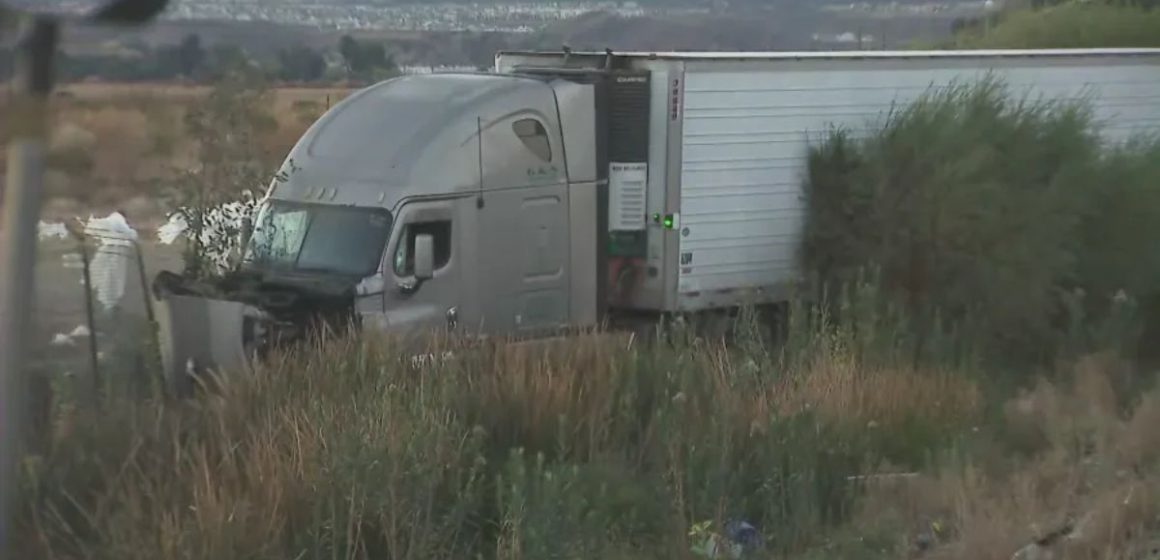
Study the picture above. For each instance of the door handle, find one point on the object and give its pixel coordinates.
(452, 317)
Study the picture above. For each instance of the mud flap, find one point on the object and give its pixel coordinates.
(198, 335)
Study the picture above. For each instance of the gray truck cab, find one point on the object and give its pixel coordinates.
(462, 201)
(446, 199)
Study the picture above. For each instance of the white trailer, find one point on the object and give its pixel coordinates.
(729, 135)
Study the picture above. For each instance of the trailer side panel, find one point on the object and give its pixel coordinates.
(747, 126)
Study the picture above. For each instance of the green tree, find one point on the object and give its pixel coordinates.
(190, 55)
(231, 168)
(300, 64)
(5, 64)
(366, 60)
(348, 47)
(225, 59)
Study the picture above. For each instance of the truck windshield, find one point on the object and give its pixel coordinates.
(318, 238)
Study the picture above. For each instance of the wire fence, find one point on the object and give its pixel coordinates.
(95, 320)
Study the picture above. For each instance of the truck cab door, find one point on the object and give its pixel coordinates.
(414, 302)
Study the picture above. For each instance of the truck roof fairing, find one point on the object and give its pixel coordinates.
(402, 137)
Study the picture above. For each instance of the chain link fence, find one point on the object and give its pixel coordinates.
(95, 321)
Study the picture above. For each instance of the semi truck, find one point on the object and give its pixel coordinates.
(573, 189)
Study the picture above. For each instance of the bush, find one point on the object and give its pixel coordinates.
(210, 200)
(986, 211)
(1119, 269)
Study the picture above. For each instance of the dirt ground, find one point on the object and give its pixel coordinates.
(114, 146)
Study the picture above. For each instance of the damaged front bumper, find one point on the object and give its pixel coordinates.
(198, 335)
(207, 328)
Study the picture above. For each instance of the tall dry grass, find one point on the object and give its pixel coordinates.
(590, 447)
(600, 446)
(1070, 466)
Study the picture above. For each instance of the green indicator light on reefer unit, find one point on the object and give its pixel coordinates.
(667, 220)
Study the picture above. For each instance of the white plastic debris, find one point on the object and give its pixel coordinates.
(72, 261)
(111, 264)
(62, 339)
(113, 226)
(51, 230)
(430, 359)
(172, 229)
(80, 332)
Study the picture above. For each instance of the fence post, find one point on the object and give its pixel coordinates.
(152, 346)
(31, 85)
(149, 313)
(94, 386)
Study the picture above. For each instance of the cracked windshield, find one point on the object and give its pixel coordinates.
(580, 279)
(318, 238)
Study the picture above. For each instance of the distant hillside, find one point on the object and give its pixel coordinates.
(259, 38)
(715, 4)
(775, 25)
(783, 29)
(659, 3)
(780, 26)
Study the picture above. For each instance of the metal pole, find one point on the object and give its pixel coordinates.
(32, 83)
(153, 345)
(31, 87)
(92, 391)
(150, 314)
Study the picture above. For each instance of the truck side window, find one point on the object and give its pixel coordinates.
(405, 253)
(534, 137)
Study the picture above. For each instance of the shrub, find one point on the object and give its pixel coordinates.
(209, 201)
(983, 210)
(1118, 269)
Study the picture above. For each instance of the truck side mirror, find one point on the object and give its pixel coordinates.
(424, 257)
